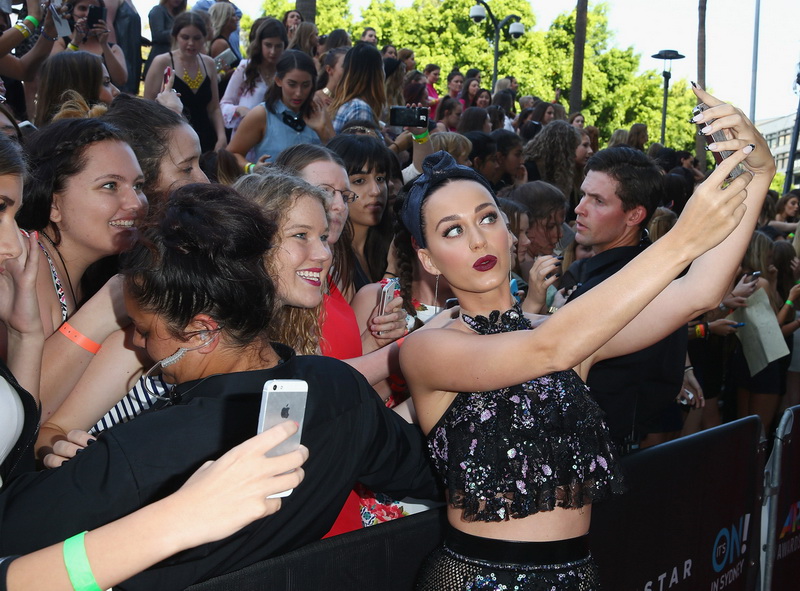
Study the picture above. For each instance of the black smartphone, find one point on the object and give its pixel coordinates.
(409, 116)
(96, 14)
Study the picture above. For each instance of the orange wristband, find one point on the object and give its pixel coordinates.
(79, 339)
(400, 341)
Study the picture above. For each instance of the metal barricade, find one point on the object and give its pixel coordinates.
(781, 531)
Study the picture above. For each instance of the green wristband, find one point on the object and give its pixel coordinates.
(790, 303)
(34, 21)
(77, 563)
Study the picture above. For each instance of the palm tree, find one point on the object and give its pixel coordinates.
(308, 8)
(576, 89)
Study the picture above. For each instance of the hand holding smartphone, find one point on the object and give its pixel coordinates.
(283, 400)
(717, 136)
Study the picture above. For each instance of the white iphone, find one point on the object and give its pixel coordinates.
(283, 400)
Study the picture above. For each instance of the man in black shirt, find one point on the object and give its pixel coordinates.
(622, 190)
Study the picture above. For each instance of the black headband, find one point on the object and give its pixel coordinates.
(436, 169)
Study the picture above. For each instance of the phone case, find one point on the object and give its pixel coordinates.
(281, 401)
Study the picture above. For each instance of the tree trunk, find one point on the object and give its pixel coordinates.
(576, 89)
(308, 8)
(700, 142)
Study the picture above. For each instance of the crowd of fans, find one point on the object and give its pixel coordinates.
(132, 255)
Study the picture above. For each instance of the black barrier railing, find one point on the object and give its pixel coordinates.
(384, 557)
(691, 517)
(690, 521)
(781, 536)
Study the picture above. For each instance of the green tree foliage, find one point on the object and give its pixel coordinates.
(245, 24)
(331, 14)
(276, 8)
(615, 95)
(335, 14)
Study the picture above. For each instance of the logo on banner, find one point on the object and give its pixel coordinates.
(790, 526)
(668, 578)
(728, 553)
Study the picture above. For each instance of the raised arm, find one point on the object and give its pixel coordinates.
(453, 360)
(19, 311)
(26, 67)
(708, 279)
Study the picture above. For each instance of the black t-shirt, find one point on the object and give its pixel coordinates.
(633, 389)
(350, 434)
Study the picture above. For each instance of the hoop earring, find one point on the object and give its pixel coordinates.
(436, 293)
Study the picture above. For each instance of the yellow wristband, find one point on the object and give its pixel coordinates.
(26, 32)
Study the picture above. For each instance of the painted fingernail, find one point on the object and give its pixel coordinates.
(706, 130)
(79, 450)
(558, 264)
(694, 85)
(712, 147)
(90, 441)
(749, 148)
(558, 274)
(560, 257)
(697, 118)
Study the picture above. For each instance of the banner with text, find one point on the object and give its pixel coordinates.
(690, 520)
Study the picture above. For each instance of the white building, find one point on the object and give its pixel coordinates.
(778, 133)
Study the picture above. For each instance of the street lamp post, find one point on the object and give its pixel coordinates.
(667, 55)
(787, 183)
(478, 12)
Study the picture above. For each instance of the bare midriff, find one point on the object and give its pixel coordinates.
(545, 526)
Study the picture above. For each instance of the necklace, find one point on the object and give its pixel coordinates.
(266, 77)
(63, 264)
(193, 82)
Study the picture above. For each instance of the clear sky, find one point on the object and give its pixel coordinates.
(649, 26)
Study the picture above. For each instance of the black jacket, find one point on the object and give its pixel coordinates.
(350, 434)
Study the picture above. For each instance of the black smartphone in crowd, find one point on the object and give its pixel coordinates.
(96, 14)
(408, 116)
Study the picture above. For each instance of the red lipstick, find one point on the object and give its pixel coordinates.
(485, 263)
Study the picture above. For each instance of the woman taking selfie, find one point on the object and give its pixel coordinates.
(520, 483)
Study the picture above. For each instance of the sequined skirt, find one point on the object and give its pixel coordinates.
(470, 563)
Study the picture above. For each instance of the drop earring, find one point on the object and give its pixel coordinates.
(436, 293)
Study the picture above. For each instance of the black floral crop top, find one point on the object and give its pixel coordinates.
(513, 452)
